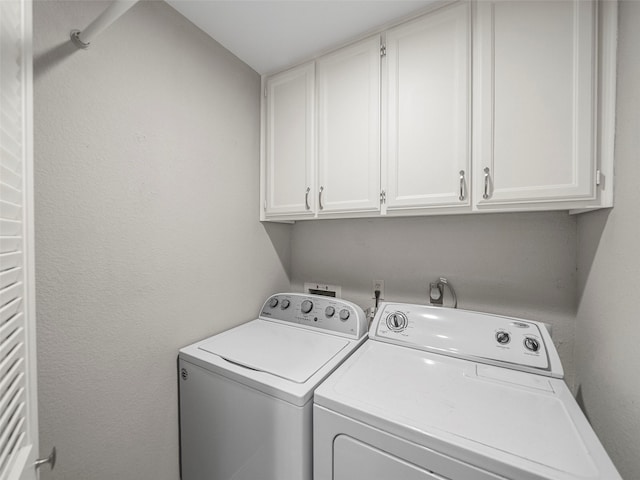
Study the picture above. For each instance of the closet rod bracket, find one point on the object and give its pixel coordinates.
(75, 38)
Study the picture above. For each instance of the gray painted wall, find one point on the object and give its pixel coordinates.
(608, 322)
(146, 180)
(146, 195)
(520, 264)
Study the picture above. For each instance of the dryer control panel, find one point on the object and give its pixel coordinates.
(316, 311)
(504, 341)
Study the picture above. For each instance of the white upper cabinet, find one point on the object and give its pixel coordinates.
(534, 100)
(349, 129)
(289, 143)
(426, 148)
(493, 105)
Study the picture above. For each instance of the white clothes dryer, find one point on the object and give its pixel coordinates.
(439, 393)
(246, 394)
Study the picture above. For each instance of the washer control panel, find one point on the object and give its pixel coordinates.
(514, 343)
(316, 311)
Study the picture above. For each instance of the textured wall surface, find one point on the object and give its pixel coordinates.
(146, 156)
(608, 320)
(147, 231)
(513, 264)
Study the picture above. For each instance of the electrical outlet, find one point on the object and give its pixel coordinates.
(379, 285)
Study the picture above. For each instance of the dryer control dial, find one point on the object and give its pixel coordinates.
(397, 321)
(273, 303)
(532, 344)
(329, 311)
(344, 314)
(285, 304)
(306, 306)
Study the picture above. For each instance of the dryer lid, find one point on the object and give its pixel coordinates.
(487, 416)
(288, 352)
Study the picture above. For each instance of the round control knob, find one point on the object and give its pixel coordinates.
(329, 311)
(344, 314)
(503, 337)
(285, 304)
(273, 303)
(532, 344)
(307, 305)
(397, 321)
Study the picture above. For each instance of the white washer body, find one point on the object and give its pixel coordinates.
(246, 394)
(435, 395)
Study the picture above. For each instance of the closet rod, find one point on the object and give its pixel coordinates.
(82, 39)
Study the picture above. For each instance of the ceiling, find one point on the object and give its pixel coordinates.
(272, 35)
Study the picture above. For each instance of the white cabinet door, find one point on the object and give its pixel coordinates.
(534, 102)
(289, 137)
(349, 129)
(427, 151)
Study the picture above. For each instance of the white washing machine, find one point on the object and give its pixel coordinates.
(246, 395)
(438, 393)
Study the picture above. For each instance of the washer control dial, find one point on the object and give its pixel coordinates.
(329, 311)
(273, 303)
(503, 337)
(344, 314)
(397, 321)
(306, 306)
(531, 344)
(285, 304)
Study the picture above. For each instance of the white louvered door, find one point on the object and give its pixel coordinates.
(18, 396)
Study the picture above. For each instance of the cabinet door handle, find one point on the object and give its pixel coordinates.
(485, 195)
(320, 198)
(306, 199)
(462, 192)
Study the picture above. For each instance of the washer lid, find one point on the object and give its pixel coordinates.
(288, 352)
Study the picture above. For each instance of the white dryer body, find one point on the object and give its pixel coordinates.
(440, 393)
